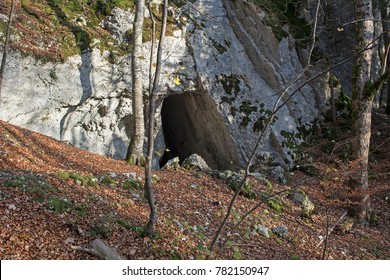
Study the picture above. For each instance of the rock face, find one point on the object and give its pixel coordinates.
(222, 75)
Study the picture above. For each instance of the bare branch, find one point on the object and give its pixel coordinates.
(332, 228)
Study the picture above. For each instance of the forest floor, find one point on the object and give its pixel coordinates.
(55, 198)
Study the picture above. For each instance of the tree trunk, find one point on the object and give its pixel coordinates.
(149, 193)
(385, 11)
(135, 150)
(362, 99)
(5, 48)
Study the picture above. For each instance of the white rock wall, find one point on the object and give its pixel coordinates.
(87, 101)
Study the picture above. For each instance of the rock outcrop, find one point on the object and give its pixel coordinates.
(223, 59)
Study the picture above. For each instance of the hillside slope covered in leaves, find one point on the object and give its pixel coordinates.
(54, 198)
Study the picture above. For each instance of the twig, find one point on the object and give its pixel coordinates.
(327, 234)
(333, 227)
(338, 145)
(314, 31)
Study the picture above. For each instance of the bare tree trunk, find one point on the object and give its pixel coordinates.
(362, 100)
(149, 193)
(385, 11)
(5, 48)
(135, 150)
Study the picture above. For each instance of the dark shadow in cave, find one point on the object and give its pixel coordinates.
(192, 124)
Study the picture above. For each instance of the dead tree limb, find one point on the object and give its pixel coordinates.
(332, 228)
(101, 250)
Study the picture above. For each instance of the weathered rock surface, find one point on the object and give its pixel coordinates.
(281, 231)
(302, 200)
(196, 163)
(172, 164)
(263, 231)
(228, 61)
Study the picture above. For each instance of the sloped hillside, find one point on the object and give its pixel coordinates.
(54, 198)
(54, 30)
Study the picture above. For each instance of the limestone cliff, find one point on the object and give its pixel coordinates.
(223, 71)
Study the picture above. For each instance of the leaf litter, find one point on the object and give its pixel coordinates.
(54, 196)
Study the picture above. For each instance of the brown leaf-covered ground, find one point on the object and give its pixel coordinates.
(54, 197)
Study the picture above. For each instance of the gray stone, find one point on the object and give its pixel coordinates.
(281, 231)
(172, 164)
(263, 231)
(112, 174)
(279, 173)
(119, 23)
(307, 207)
(297, 197)
(196, 163)
(226, 174)
(301, 199)
(132, 175)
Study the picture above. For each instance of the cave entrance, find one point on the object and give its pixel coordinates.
(191, 124)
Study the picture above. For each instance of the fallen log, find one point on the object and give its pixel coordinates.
(101, 250)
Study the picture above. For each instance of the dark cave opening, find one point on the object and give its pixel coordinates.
(192, 124)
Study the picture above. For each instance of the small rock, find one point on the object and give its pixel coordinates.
(225, 174)
(307, 208)
(297, 197)
(172, 164)
(278, 173)
(281, 231)
(12, 207)
(263, 231)
(155, 178)
(131, 175)
(300, 198)
(196, 163)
